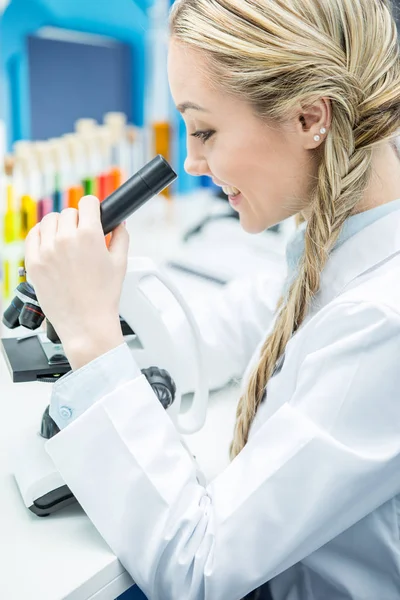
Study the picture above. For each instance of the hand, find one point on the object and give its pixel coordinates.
(78, 280)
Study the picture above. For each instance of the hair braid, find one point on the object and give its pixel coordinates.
(341, 182)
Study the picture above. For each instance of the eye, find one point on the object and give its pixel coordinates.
(203, 135)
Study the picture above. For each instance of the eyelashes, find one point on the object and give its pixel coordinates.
(203, 135)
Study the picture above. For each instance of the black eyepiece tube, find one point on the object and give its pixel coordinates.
(146, 183)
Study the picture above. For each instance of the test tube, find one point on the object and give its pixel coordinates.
(105, 183)
(43, 157)
(85, 128)
(60, 158)
(12, 248)
(136, 150)
(85, 125)
(75, 152)
(10, 223)
(116, 123)
(161, 132)
(92, 161)
(2, 203)
(26, 158)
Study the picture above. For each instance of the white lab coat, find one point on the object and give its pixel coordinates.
(312, 503)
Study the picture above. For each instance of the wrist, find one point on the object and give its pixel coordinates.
(87, 347)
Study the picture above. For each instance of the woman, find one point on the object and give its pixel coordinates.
(292, 106)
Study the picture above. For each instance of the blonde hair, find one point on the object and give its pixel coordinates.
(275, 54)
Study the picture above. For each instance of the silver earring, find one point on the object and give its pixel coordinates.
(322, 131)
(316, 138)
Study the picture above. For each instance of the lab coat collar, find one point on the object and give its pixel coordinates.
(371, 246)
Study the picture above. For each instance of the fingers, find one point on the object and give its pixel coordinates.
(32, 246)
(119, 244)
(89, 214)
(48, 230)
(67, 223)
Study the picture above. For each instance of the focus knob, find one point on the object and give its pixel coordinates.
(162, 383)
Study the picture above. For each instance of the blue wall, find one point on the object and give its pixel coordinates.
(69, 80)
(123, 20)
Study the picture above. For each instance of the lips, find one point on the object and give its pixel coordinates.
(235, 201)
(230, 191)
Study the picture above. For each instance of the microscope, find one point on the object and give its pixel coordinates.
(41, 357)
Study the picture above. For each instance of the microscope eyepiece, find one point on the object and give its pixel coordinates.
(146, 183)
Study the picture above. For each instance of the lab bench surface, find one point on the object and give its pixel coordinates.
(63, 557)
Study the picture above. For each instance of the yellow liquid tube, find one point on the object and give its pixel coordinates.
(29, 214)
(6, 279)
(11, 218)
(12, 259)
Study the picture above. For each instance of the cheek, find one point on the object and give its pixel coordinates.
(271, 178)
(266, 167)
(225, 162)
(278, 171)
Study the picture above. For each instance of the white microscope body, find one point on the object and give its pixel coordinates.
(157, 342)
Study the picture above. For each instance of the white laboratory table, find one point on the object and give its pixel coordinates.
(63, 556)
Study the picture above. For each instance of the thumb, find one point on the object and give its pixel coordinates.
(119, 244)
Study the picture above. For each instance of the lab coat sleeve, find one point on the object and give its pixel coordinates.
(76, 391)
(324, 460)
(232, 323)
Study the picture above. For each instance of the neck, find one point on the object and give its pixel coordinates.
(384, 184)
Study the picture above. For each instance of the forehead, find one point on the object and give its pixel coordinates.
(191, 80)
(188, 74)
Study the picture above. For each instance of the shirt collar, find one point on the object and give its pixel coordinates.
(368, 248)
(352, 226)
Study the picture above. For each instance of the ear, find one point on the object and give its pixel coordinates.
(313, 123)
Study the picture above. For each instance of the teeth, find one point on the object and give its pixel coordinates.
(230, 191)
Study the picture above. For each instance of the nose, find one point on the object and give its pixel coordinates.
(196, 166)
(196, 163)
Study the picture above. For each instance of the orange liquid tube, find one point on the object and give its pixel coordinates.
(161, 140)
(115, 178)
(74, 194)
(104, 186)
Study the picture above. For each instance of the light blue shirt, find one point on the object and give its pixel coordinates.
(353, 225)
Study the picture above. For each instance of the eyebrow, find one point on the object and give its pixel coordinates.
(187, 105)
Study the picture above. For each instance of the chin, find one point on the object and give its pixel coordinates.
(252, 225)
